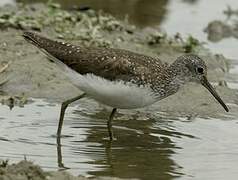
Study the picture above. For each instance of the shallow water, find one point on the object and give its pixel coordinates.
(151, 145)
(158, 146)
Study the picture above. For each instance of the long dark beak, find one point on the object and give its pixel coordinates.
(207, 85)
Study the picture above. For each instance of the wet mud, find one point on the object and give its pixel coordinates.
(25, 170)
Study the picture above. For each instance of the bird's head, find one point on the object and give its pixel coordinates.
(192, 68)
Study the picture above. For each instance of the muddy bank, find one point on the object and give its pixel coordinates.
(25, 170)
(31, 74)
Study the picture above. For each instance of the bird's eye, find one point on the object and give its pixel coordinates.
(200, 70)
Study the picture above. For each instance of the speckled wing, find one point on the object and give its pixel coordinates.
(111, 64)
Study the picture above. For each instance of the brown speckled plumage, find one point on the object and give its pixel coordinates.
(109, 63)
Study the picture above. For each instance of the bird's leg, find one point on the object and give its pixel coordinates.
(109, 123)
(64, 105)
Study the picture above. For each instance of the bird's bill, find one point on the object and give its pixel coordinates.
(207, 85)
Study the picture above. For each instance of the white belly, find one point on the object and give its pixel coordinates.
(114, 94)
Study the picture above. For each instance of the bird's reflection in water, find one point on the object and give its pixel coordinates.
(61, 165)
(143, 148)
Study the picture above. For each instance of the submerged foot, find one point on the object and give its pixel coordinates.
(110, 139)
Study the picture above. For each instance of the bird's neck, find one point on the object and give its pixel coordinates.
(179, 73)
(176, 76)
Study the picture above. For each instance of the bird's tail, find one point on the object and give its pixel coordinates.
(59, 52)
(55, 50)
(35, 39)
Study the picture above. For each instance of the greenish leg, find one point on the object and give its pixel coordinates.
(64, 105)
